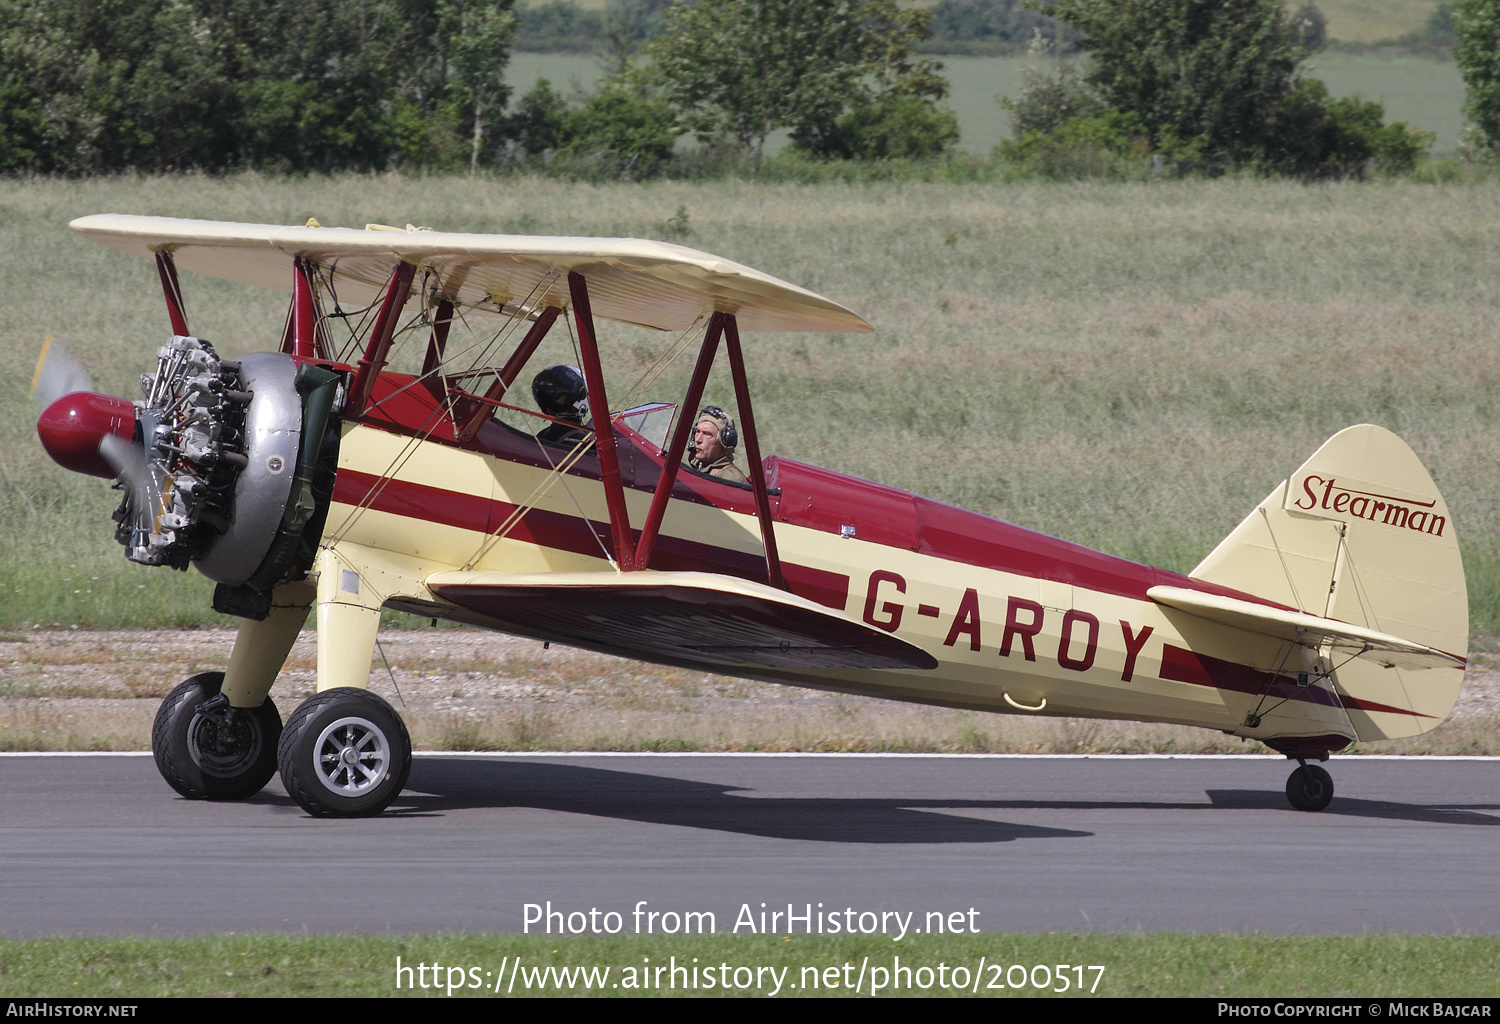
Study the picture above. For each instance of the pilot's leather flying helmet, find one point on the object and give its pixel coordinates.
(728, 436)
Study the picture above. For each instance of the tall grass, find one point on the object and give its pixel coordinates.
(1131, 366)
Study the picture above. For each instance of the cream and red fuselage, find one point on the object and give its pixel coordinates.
(440, 510)
(1018, 621)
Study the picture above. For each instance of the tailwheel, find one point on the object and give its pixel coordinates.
(345, 754)
(207, 750)
(1310, 788)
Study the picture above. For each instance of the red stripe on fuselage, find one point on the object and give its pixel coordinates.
(572, 533)
(1184, 666)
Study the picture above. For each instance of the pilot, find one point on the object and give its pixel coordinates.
(560, 392)
(714, 441)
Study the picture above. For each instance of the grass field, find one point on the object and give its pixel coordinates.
(1129, 366)
(1369, 21)
(1159, 966)
(1427, 94)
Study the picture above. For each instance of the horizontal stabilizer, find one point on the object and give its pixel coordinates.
(682, 618)
(1310, 631)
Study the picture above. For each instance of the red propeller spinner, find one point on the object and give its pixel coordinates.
(73, 427)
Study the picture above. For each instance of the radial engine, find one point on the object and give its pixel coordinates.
(227, 465)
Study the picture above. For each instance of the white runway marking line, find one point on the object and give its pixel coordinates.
(725, 755)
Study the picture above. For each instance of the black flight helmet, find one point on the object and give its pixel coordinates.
(561, 391)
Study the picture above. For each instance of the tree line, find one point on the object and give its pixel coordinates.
(304, 85)
(1208, 85)
(961, 27)
(103, 85)
(1190, 86)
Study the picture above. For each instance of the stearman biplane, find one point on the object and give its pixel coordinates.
(314, 477)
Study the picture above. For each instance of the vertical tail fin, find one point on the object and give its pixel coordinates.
(1359, 533)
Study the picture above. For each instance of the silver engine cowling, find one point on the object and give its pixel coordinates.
(230, 469)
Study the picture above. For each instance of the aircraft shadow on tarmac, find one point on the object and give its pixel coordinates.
(1432, 814)
(438, 786)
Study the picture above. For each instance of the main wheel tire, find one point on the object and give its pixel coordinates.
(1310, 788)
(345, 753)
(229, 755)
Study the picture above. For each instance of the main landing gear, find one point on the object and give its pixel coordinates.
(207, 750)
(345, 754)
(1310, 788)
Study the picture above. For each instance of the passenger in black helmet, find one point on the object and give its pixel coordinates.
(560, 392)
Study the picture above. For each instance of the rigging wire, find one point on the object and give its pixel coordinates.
(481, 358)
(539, 492)
(359, 328)
(1313, 678)
(410, 447)
(1284, 568)
(562, 478)
(388, 670)
(561, 469)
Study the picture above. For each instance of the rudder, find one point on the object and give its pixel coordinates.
(1359, 533)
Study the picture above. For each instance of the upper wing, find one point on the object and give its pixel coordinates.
(716, 623)
(632, 280)
(1308, 630)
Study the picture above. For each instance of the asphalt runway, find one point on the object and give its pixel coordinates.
(97, 844)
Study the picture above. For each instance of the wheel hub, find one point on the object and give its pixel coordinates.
(223, 744)
(351, 756)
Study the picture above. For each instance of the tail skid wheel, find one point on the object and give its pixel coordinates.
(214, 754)
(345, 753)
(1310, 788)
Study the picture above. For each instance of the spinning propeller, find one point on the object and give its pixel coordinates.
(57, 374)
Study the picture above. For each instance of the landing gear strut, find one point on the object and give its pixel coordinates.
(1310, 788)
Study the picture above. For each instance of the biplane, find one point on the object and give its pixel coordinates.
(315, 479)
